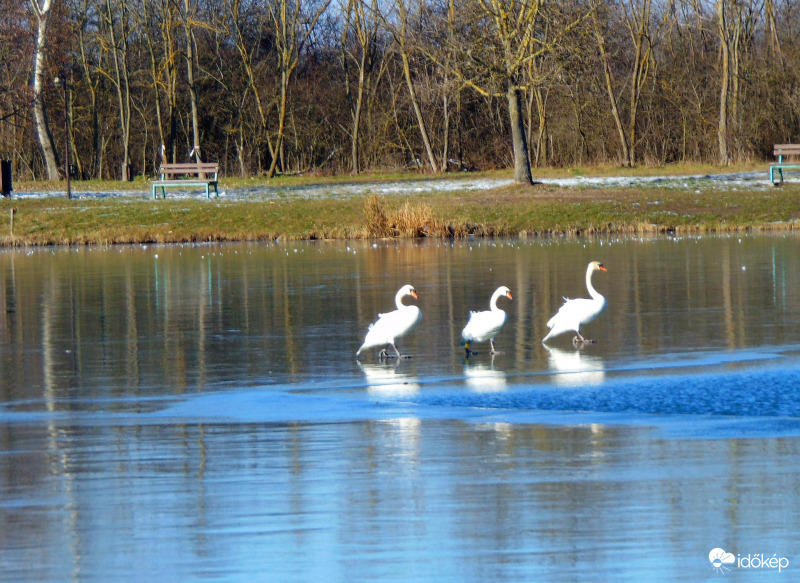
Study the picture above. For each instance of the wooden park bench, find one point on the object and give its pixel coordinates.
(783, 151)
(187, 174)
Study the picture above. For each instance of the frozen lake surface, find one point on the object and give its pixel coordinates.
(196, 412)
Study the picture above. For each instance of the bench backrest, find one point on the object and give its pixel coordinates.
(786, 150)
(197, 168)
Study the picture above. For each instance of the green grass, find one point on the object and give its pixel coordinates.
(509, 211)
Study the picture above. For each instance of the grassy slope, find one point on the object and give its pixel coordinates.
(509, 211)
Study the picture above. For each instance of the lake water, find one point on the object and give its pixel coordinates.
(197, 413)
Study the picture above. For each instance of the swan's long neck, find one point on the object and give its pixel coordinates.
(592, 292)
(496, 296)
(398, 299)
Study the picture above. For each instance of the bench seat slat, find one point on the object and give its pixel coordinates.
(197, 174)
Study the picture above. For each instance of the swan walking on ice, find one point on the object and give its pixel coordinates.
(574, 313)
(483, 326)
(393, 325)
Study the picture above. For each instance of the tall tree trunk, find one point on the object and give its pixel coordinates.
(522, 167)
(609, 80)
(773, 42)
(423, 130)
(155, 76)
(278, 147)
(190, 79)
(290, 37)
(119, 57)
(400, 38)
(246, 50)
(637, 80)
(91, 79)
(46, 142)
(357, 107)
(446, 128)
(540, 155)
(724, 78)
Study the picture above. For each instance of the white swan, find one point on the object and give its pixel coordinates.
(392, 325)
(483, 326)
(577, 312)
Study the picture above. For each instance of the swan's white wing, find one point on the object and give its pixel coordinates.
(391, 326)
(573, 314)
(483, 326)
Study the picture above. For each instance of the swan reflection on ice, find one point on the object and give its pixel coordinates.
(573, 368)
(384, 380)
(484, 378)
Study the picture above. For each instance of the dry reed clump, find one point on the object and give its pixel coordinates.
(377, 221)
(410, 221)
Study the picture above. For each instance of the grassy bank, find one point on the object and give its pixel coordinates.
(507, 211)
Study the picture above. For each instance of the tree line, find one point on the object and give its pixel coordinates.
(347, 86)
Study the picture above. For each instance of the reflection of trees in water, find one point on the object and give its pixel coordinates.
(198, 314)
(77, 325)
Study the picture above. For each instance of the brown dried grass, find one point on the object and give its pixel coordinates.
(410, 221)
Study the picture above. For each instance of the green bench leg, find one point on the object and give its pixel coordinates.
(164, 190)
(772, 175)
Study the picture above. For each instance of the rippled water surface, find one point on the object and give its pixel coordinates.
(194, 413)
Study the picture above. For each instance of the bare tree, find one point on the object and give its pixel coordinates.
(724, 80)
(188, 27)
(773, 40)
(507, 36)
(399, 32)
(292, 29)
(88, 57)
(117, 28)
(644, 32)
(496, 83)
(249, 28)
(162, 54)
(42, 14)
(358, 47)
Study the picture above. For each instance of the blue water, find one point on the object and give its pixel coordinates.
(197, 414)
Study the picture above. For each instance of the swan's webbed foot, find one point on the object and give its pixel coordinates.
(581, 341)
(468, 350)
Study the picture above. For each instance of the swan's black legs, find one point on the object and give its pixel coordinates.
(383, 355)
(580, 340)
